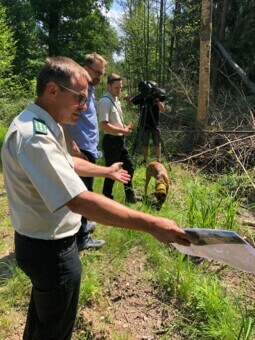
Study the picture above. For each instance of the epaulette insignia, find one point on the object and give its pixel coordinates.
(40, 126)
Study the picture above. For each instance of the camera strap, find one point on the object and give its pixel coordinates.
(119, 112)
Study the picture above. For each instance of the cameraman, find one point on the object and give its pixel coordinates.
(150, 107)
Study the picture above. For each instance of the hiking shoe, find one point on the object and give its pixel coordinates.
(89, 243)
(91, 225)
(133, 199)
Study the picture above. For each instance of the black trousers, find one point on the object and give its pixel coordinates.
(54, 269)
(88, 181)
(115, 151)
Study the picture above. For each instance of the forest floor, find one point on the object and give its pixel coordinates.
(133, 309)
(130, 307)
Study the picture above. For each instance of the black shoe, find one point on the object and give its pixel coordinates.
(89, 243)
(91, 225)
(133, 199)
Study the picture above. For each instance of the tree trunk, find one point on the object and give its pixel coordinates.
(236, 67)
(161, 36)
(215, 79)
(174, 50)
(204, 67)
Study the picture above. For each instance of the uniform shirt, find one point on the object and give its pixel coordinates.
(39, 177)
(109, 110)
(85, 133)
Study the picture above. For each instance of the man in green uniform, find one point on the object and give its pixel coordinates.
(47, 197)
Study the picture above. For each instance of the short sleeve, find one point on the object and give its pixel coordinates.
(50, 171)
(104, 108)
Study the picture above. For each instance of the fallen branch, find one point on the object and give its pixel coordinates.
(241, 164)
(210, 150)
(235, 66)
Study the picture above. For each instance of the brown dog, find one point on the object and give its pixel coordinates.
(158, 171)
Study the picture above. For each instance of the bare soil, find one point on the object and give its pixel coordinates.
(131, 308)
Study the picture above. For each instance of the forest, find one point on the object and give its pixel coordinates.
(155, 40)
(202, 53)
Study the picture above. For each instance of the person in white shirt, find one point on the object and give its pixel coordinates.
(47, 198)
(115, 130)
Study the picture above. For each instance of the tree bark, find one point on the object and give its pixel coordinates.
(204, 67)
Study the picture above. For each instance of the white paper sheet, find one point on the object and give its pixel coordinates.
(221, 245)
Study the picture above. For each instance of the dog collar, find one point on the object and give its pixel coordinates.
(161, 187)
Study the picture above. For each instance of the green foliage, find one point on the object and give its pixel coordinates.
(29, 51)
(3, 131)
(240, 34)
(140, 42)
(15, 99)
(210, 209)
(7, 49)
(186, 22)
(73, 28)
(15, 88)
(201, 298)
(41, 28)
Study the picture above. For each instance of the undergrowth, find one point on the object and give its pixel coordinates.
(207, 308)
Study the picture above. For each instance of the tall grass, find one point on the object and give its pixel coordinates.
(208, 207)
(205, 307)
(203, 301)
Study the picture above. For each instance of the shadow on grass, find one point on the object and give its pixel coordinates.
(7, 265)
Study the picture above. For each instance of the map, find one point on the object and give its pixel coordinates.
(221, 245)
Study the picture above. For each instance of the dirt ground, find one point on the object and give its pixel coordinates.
(131, 308)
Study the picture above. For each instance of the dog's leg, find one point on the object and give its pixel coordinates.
(148, 177)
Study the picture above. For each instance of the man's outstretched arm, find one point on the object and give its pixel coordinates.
(106, 211)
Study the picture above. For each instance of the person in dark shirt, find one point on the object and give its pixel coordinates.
(150, 123)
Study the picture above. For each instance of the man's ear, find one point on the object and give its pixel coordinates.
(52, 88)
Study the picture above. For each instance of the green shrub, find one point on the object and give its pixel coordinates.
(15, 96)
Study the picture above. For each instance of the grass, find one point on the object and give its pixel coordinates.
(210, 307)
(3, 131)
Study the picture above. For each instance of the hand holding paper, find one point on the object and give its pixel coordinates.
(221, 245)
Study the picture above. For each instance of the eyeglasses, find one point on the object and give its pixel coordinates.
(98, 73)
(83, 97)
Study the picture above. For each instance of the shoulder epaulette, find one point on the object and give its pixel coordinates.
(40, 126)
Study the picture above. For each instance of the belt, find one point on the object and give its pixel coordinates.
(114, 136)
(65, 240)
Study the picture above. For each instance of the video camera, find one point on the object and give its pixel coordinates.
(150, 91)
